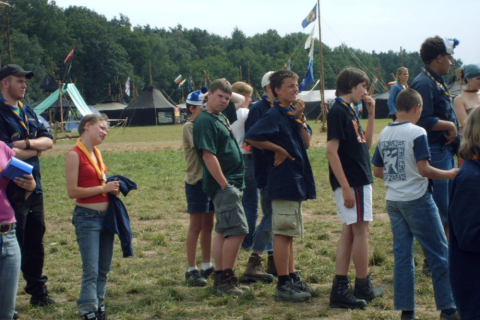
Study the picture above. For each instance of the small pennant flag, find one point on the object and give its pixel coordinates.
(312, 16)
(127, 87)
(69, 55)
(178, 79)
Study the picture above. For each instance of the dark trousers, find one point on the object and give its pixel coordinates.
(30, 231)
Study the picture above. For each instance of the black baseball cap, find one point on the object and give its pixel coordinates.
(14, 70)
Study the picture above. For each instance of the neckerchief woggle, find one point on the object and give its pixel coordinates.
(220, 117)
(100, 171)
(354, 115)
(24, 121)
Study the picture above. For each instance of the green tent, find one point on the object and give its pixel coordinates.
(72, 91)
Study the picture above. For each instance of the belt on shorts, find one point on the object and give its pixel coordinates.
(6, 228)
(247, 156)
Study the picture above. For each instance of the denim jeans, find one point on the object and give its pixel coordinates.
(9, 274)
(442, 158)
(250, 202)
(30, 230)
(418, 219)
(263, 237)
(96, 249)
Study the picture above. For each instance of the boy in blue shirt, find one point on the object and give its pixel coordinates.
(402, 160)
(283, 130)
(351, 179)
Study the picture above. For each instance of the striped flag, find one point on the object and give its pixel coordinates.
(178, 79)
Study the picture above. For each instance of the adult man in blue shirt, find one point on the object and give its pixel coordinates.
(438, 116)
(21, 131)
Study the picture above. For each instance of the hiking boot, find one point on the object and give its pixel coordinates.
(228, 286)
(365, 290)
(101, 315)
(254, 271)
(15, 315)
(289, 292)
(207, 273)
(271, 269)
(454, 316)
(426, 268)
(90, 316)
(300, 284)
(41, 301)
(342, 297)
(194, 278)
(216, 281)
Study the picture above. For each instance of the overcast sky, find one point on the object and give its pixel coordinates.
(379, 25)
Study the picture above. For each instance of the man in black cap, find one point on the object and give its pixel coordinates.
(21, 131)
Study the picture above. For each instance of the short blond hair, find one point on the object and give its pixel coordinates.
(242, 88)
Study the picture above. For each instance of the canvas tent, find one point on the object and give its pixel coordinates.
(312, 102)
(49, 84)
(151, 108)
(112, 109)
(74, 95)
(381, 106)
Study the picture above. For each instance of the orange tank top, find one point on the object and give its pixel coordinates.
(87, 177)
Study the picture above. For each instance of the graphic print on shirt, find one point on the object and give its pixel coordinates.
(360, 137)
(393, 160)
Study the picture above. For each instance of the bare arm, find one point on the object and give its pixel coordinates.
(443, 125)
(461, 111)
(306, 137)
(40, 144)
(280, 154)
(213, 166)
(299, 110)
(27, 183)
(370, 103)
(237, 99)
(24, 154)
(336, 165)
(378, 172)
(427, 171)
(71, 174)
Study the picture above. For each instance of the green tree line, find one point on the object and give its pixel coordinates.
(108, 51)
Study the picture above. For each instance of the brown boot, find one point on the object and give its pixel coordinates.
(271, 269)
(228, 285)
(254, 271)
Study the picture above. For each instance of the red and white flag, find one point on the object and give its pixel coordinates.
(69, 55)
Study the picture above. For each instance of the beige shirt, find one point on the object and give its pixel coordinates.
(194, 172)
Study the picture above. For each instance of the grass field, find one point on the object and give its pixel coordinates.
(151, 284)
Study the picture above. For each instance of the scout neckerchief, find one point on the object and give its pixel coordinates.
(266, 99)
(24, 121)
(354, 116)
(289, 111)
(440, 85)
(100, 171)
(220, 117)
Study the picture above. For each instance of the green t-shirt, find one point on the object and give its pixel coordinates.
(231, 113)
(211, 135)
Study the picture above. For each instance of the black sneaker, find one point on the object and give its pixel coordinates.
(365, 290)
(300, 284)
(41, 301)
(194, 278)
(289, 292)
(101, 315)
(207, 273)
(90, 316)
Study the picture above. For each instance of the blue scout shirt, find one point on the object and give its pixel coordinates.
(11, 130)
(262, 159)
(293, 179)
(436, 106)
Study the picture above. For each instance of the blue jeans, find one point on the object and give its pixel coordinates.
(418, 219)
(250, 202)
(442, 158)
(9, 274)
(263, 237)
(96, 249)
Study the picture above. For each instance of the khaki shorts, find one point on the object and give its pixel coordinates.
(287, 218)
(229, 214)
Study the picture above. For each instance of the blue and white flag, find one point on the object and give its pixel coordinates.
(312, 16)
(308, 80)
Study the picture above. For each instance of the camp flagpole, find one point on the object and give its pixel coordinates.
(322, 75)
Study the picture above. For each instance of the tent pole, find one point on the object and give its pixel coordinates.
(322, 75)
